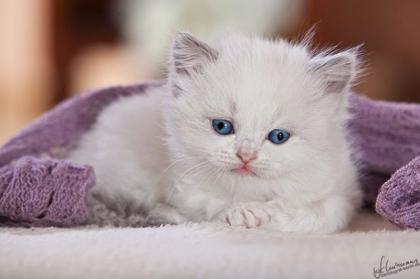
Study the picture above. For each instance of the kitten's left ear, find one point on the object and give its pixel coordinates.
(337, 70)
(190, 54)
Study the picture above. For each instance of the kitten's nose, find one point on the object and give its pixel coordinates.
(246, 157)
(247, 151)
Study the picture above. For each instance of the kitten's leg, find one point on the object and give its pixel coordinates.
(328, 216)
(163, 214)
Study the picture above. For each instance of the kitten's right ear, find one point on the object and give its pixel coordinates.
(190, 54)
(337, 70)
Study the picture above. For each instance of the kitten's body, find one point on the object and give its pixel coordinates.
(157, 154)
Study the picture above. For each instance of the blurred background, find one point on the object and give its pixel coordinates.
(53, 49)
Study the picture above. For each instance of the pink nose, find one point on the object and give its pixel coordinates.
(246, 155)
(247, 151)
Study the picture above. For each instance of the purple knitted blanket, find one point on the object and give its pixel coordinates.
(39, 188)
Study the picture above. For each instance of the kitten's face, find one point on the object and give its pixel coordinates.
(258, 87)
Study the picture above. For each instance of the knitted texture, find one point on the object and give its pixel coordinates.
(399, 198)
(385, 136)
(45, 192)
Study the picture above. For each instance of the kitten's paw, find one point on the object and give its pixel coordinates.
(249, 215)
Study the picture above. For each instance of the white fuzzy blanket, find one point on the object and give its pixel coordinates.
(207, 251)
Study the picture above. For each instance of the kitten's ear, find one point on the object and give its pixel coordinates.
(337, 70)
(190, 54)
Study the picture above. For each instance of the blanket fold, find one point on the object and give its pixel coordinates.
(399, 198)
(385, 136)
(45, 192)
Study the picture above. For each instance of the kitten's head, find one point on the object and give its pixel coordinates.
(249, 107)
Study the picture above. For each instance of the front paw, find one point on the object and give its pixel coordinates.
(249, 215)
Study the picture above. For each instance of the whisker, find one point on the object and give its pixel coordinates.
(188, 171)
(171, 165)
(191, 170)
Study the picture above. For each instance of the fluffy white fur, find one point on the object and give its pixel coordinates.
(157, 155)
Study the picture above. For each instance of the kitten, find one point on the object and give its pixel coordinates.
(248, 132)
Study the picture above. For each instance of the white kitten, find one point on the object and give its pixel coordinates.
(247, 131)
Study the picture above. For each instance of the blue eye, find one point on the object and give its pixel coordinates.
(222, 127)
(278, 136)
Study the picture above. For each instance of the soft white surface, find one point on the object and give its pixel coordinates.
(203, 251)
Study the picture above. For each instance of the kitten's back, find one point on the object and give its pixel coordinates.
(126, 148)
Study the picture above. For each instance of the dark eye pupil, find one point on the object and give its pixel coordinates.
(222, 127)
(278, 136)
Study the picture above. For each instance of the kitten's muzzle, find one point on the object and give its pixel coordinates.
(247, 151)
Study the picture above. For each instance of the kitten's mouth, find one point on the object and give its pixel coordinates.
(243, 170)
